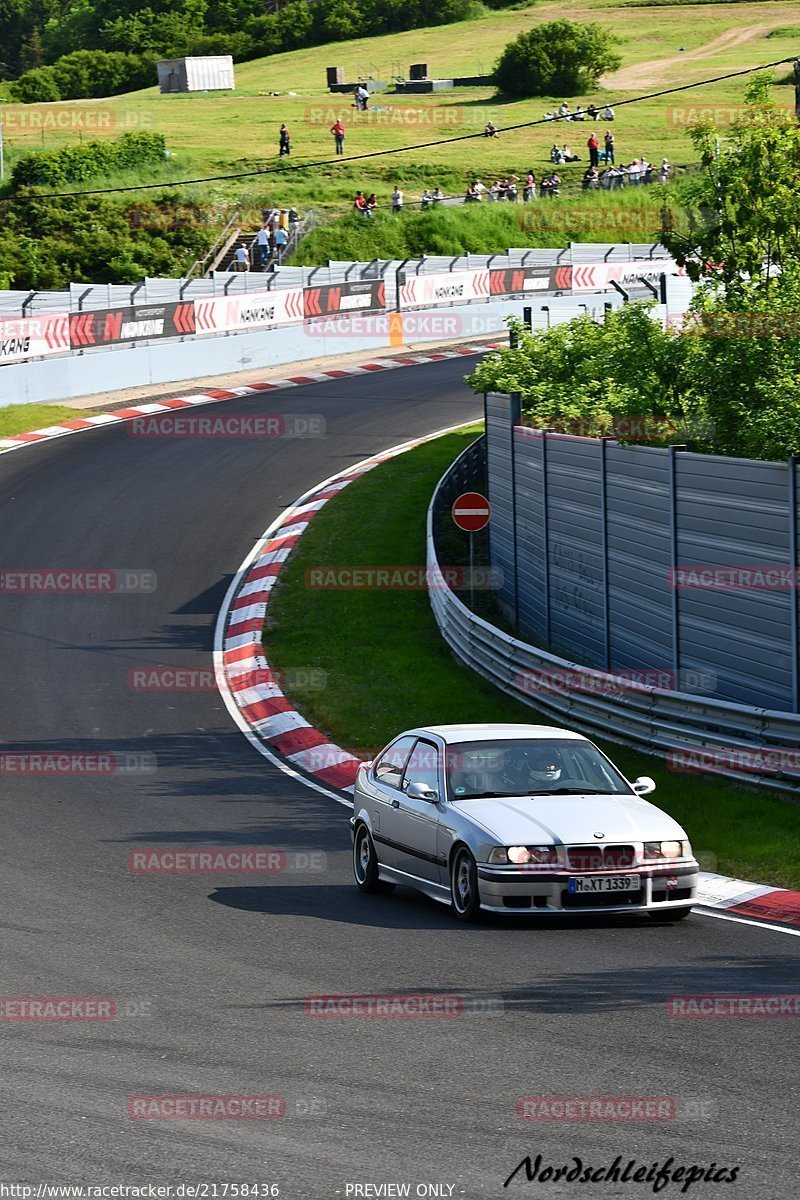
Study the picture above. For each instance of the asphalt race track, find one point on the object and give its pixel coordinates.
(210, 974)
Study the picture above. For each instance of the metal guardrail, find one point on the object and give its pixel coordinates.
(655, 720)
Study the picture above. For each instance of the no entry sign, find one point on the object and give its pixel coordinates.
(471, 512)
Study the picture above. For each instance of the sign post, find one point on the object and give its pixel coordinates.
(471, 512)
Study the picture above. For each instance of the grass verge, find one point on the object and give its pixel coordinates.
(387, 668)
(23, 418)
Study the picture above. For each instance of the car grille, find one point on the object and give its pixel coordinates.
(600, 858)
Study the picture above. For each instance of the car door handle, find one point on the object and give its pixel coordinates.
(395, 804)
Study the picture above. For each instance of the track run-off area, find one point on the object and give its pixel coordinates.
(211, 976)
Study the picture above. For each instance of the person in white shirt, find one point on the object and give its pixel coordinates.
(242, 259)
(608, 113)
(564, 109)
(478, 188)
(397, 200)
(262, 241)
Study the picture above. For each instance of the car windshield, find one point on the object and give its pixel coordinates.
(530, 766)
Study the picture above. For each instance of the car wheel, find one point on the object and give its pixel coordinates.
(464, 886)
(666, 916)
(365, 864)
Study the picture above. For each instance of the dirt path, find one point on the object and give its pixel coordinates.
(650, 74)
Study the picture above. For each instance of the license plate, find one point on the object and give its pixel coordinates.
(604, 883)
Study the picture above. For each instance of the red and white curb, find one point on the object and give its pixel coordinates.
(80, 424)
(281, 734)
(246, 681)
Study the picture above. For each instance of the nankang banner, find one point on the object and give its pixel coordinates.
(350, 296)
(145, 322)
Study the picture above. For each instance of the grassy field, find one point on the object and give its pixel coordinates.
(239, 132)
(22, 418)
(387, 667)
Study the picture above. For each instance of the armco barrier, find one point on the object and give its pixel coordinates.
(700, 734)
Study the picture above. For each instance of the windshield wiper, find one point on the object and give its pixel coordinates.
(489, 795)
(572, 791)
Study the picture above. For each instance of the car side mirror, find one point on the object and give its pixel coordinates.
(644, 785)
(421, 791)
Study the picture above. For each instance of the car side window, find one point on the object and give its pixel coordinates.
(389, 767)
(423, 766)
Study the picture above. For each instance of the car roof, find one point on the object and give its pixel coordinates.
(495, 733)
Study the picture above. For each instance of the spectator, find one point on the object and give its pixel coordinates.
(337, 129)
(426, 200)
(490, 130)
(284, 144)
(550, 185)
(511, 188)
(362, 98)
(579, 114)
(472, 195)
(664, 171)
(371, 204)
(548, 116)
(609, 144)
(563, 110)
(294, 216)
(438, 195)
(360, 204)
(646, 171)
(283, 219)
(608, 113)
(567, 155)
(496, 190)
(556, 156)
(592, 112)
(281, 238)
(242, 259)
(479, 188)
(397, 200)
(262, 242)
(635, 172)
(591, 179)
(623, 175)
(593, 145)
(529, 190)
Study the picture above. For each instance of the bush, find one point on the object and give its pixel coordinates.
(558, 58)
(78, 164)
(39, 86)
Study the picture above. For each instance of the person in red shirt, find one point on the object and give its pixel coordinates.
(593, 144)
(337, 129)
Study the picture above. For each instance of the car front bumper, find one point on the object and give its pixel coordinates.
(507, 890)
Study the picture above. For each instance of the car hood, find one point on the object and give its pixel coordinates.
(531, 820)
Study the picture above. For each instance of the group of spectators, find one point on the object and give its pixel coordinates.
(590, 113)
(270, 242)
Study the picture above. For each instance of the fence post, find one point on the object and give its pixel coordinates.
(673, 542)
(793, 614)
(604, 542)
(515, 415)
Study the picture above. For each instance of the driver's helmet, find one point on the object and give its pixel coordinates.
(545, 766)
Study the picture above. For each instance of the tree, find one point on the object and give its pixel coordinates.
(558, 58)
(744, 207)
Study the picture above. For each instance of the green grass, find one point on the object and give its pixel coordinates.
(23, 418)
(223, 133)
(388, 669)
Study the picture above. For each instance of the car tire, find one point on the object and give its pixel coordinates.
(464, 895)
(667, 916)
(365, 864)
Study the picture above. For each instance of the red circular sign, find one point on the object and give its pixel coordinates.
(471, 511)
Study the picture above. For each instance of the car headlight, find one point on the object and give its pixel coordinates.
(667, 850)
(523, 855)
